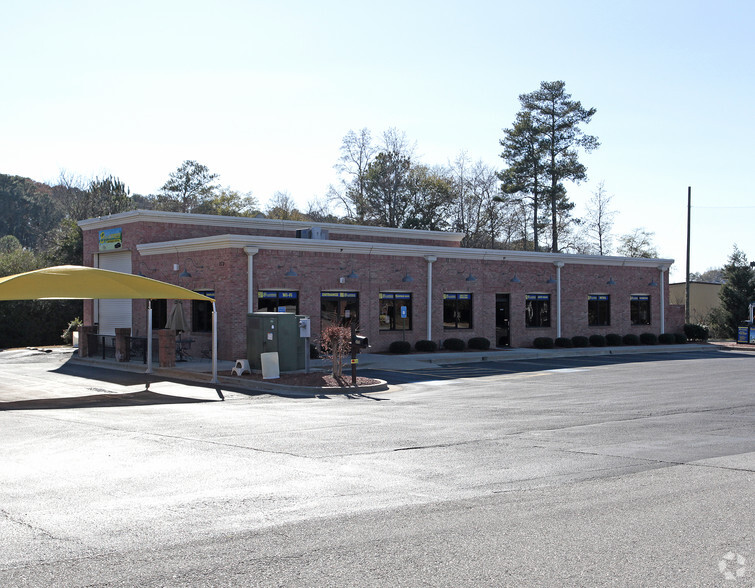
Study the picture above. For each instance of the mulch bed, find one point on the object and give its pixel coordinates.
(314, 380)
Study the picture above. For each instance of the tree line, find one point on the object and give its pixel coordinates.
(381, 181)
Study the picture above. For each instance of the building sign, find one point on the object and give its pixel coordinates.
(274, 294)
(457, 297)
(745, 334)
(111, 239)
(597, 296)
(395, 296)
(537, 296)
(339, 295)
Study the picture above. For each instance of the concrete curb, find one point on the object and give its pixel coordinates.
(230, 381)
(425, 360)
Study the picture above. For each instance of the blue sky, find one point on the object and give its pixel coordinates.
(263, 93)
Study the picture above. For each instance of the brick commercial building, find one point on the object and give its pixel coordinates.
(396, 283)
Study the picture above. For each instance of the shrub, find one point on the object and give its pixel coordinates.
(597, 340)
(666, 339)
(543, 343)
(400, 347)
(314, 352)
(67, 335)
(696, 332)
(426, 346)
(648, 339)
(480, 343)
(453, 344)
(335, 343)
(564, 342)
(631, 339)
(580, 341)
(680, 338)
(613, 340)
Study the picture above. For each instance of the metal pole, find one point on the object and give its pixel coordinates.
(149, 337)
(214, 379)
(353, 353)
(689, 214)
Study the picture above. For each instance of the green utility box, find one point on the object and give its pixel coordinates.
(278, 332)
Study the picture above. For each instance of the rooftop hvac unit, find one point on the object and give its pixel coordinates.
(312, 233)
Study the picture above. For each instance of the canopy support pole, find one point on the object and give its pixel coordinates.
(149, 337)
(214, 344)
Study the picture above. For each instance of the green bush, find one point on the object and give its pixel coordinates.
(648, 339)
(480, 343)
(631, 339)
(597, 341)
(400, 347)
(564, 342)
(580, 341)
(666, 339)
(67, 335)
(426, 346)
(696, 332)
(543, 343)
(680, 338)
(613, 340)
(453, 344)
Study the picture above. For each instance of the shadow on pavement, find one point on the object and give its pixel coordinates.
(141, 398)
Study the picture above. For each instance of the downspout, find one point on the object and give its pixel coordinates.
(149, 336)
(663, 299)
(214, 379)
(430, 259)
(559, 265)
(250, 253)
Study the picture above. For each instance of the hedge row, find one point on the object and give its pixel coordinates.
(452, 344)
(610, 340)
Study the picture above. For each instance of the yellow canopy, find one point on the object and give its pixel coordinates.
(75, 281)
(80, 282)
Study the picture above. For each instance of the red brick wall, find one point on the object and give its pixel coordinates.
(225, 272)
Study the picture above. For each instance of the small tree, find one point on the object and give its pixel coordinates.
(599, 220)
(736, 294)
(190, 186)
(638, 243)
(335, 342)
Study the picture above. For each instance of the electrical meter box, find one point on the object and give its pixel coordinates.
(278, 332)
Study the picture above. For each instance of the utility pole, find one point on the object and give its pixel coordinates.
(689, 214)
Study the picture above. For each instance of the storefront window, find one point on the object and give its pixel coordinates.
(457, 311)
(201, 313)
(598, 310)
(537, 310)
(278, 301)
(339, 308)
(395, 311)
(639, 309)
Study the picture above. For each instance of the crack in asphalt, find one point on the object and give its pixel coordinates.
(28, 525)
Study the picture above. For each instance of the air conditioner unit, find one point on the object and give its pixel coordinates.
(312, 233)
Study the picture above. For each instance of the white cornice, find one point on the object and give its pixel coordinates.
(399, 250)
(211, 220)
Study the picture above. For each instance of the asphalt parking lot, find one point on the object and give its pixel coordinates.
(627, 471)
